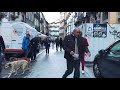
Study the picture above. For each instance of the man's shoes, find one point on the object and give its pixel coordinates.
(83, 72)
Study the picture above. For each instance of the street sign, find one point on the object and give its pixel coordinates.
(100, 30)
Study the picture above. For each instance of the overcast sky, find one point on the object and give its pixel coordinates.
(51, 16)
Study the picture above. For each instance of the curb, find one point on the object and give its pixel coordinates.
(40, 52)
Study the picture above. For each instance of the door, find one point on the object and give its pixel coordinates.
(17, 36)
(110, 64)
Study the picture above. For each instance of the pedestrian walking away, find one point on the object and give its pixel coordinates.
(74, 45)
(57, 41)
(53, 44)
(33, 45)
(61, 44)
(83, 54)
(47, 45)
(2, 49)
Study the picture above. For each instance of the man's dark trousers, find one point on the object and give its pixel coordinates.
(73, 64)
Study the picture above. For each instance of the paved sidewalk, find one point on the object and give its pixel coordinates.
(88, 73)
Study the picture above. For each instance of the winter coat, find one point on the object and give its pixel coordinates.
(25, 43)
(69, 45)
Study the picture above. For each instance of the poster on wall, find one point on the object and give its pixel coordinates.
(100, 30)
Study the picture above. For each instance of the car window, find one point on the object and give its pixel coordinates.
(116, 48)
(18, 29)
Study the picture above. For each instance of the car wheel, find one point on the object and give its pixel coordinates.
(96, 70)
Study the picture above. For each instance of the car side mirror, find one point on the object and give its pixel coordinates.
(102, 51)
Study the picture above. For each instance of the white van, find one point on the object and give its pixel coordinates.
(13, 33)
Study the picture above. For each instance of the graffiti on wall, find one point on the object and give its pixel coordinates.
(114, 32)
(89, 32)
(100, 30)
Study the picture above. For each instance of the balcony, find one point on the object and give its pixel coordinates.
(41, 21)
(79, 19)
(1, 16)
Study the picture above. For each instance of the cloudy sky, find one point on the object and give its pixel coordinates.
(51, 16)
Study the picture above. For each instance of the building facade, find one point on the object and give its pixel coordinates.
(110, 17)
(101, 17)
(63, 24)
(34, 19)
(54, 30)
(61, 27)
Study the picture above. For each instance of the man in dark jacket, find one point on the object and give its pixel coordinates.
(47, 45)
(74, 45)
(57, 41)
(2, 48)
(61, 44)
(33, 48)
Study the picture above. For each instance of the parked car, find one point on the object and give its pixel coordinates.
(107, 62)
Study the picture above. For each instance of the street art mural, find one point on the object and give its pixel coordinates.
(100, 30)
(115, 31)
(97, 30)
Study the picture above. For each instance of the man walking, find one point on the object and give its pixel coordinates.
(61, 44)
(57, 43)
(33, 48)
(83, 54)
(47, 45)
(74, 45)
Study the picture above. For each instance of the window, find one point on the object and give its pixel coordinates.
(32, 16)
(116, 49)
(18, 13)
(105, 15)
(27, 15)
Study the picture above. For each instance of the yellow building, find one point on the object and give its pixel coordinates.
(110, 17)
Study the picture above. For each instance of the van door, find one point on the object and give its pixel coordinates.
(17, 35)
(5, 31)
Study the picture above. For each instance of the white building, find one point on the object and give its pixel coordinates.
(54, 30)
(70, 22)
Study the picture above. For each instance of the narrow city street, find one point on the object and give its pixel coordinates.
(52, 66)
(49, 66)
(23, 34)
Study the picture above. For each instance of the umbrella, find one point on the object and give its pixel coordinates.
(42, 36)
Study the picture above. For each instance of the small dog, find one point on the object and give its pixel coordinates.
(16, 59)
(23, 58)
(16, 65)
